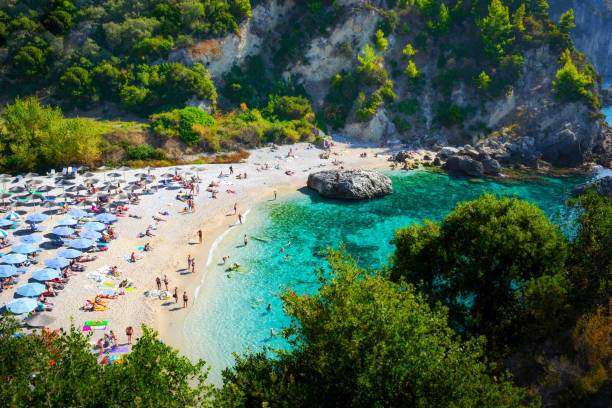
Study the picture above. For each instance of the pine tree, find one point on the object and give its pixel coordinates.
(566, 22)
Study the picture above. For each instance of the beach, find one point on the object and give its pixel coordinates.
(176, 238)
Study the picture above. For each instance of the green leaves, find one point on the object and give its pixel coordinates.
(363, 340)
(571, 84)
(496, 30)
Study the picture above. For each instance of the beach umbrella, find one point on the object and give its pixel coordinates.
(94, 180)
(65, 195)
(21, 306)
(94, 226)
(67, 221)
(17, 189)
(14, 258)
(37, 217)
(83, 168)
(46, 274)
(40, 320)
(89, 174)
(3, 233)
(81, 243)
(90, 234)
(62, 231)
(6, 223)
(31, 239)
(44, 189)
(12, 216)
(69, 253)
(71, 188)
(34, 182)
(106, 218)
(30, 175)
(169, 175)
(4, 196)
(48, 204)
(31, 289)
(78, 213)
(57, 263)
(104, 168)
(7, 270)
(114, 175)
(25, 249)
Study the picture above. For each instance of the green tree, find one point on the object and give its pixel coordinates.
(476, 261)
(363, 341)
(288, 108)
(496, 30)
(571, 84)
(566, 22)
(408, 51)
(411, 70)
(381, 43)
(483, 80)
(181, 123)
(75, 83)
(45, 369)
(31, 61)
(157, 47)
(518, 19)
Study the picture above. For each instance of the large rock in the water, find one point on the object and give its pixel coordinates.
(460, 164)
(350, 185)
(602, 185)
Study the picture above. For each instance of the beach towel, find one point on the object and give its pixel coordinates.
(120, 349)
(96, 323)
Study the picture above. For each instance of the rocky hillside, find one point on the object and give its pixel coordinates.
(495, 74)
(442, 90)
(592, 32)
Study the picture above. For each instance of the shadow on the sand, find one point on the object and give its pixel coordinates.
(174, 309)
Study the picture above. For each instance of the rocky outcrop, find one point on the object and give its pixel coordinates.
(350, 185)
(602, 185)
(606, 96)
(591, 35)
(460, 164)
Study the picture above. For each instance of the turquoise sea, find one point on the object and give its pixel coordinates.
(231, 316)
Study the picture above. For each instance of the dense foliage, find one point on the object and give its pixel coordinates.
(477, 261)
(35, 137)
(363, 340)
(59, 370)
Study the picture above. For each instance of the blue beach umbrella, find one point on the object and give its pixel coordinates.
(81, 243)
(5, 223)
(37, 217)
(67, 221)
(57, 263)
(31, 289)
(106, 217)
(3, 233)
(31, 239)
(89, 234)
(7, 270)
(14, 258)
(62, 231)
(12, 216)
(78, 213)
(20, 306)
(69, 253)
(46, 274)
(25, 249)
(94, 226)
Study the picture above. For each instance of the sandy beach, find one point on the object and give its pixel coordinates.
(176, 238)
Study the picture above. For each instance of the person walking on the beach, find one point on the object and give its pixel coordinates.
(166, 282)
(240, 218)
(185, 299)
(200, 235)
(246, 240)
(231, 170)
(189, 261)
(235, 208)
(274, 194)
(133, 257)
(158, 281)
(225, 258)
(175, 296)
(192, 265)
(128, 332)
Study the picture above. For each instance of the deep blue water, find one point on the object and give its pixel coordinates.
(233, 315)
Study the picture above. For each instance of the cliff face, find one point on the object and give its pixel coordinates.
(593, 32)
(525, 124)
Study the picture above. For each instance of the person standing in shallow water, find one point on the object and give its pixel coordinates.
(236, 208)
(246, 240)
(175, 296)
(185, 299)
(240, 218)
(200, 235)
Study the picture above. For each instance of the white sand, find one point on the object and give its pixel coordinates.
(177, 238)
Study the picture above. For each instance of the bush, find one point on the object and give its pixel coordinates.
(144, 152)
(181, 122)
(570, 84)
(368, 107)
(288, 108)
(449, 115)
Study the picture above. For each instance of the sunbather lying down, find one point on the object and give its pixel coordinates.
(158, 218)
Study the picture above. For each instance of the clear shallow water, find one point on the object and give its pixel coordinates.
(232, 316)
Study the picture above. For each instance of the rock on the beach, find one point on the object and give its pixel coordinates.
(350, 185)
(401, 156)
(459, 164)
(491, 166)
(602, 185)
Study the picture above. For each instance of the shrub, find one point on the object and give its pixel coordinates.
(449, 115)
(288, 108)
(144, 152)
(408, 106)
(181, 122)
(381, 42)
(368, 107)
(570, 84)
